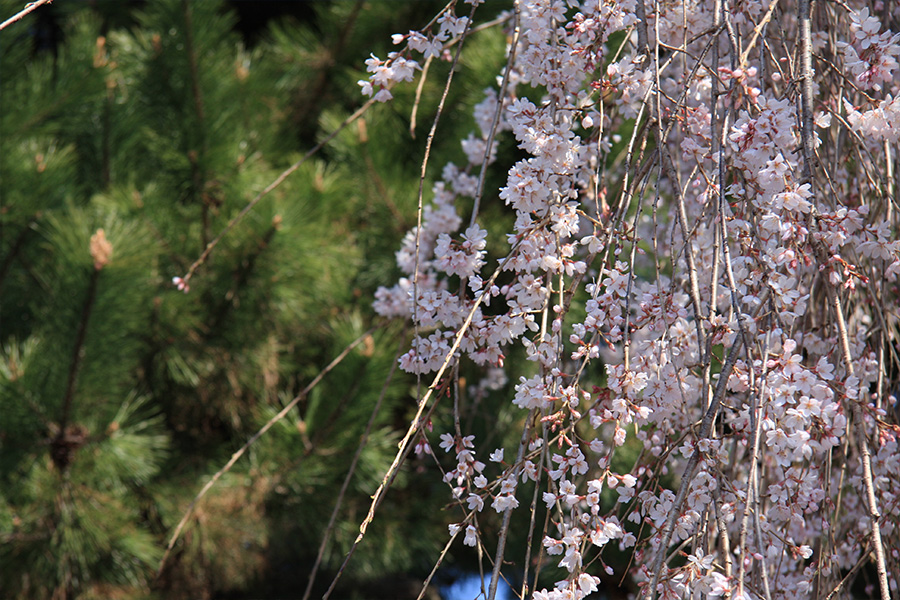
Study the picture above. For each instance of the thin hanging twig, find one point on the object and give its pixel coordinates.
(809, 166)
(419, 88)
(414, 427)
(507, 515)
(184, 281)
(421, 194)
(237, 455)
(496, 120)
(689, 471)
(865, 454)
(437, 563)
(417, 421)
(363, 441)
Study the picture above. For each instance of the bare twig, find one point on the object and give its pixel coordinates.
(437, 564)
(31, 6)
(809, 166)
(363, 441)
(237, 455)
(848, 577)
(421, 194)
(757, 31)
(504, 528)
(419, 88)
(278, 181)
(510, 61)
(689, 471)
(388, 479)
(806, 90)
(865, 454)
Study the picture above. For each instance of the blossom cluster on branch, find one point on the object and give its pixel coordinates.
(734, 261)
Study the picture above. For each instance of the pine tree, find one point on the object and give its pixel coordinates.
(124, 152)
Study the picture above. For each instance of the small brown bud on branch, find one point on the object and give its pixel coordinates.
(101, 249)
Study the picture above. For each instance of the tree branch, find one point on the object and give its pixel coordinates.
(31, 6)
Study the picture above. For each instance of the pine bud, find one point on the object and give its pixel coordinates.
(101, 249)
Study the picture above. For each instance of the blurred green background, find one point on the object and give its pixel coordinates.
(157, 122)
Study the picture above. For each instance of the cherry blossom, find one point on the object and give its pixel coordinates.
(687, 219)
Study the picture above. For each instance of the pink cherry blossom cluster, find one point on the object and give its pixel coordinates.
(871, 54)
(701, 269)
(385, 73)
(398, 67)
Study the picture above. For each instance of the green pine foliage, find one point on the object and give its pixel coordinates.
(124, 151)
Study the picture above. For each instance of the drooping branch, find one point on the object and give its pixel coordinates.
(806, 90)
(865, 454)
(690, 470)
(809, 168)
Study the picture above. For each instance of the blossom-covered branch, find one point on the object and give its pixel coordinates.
(707, 218)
